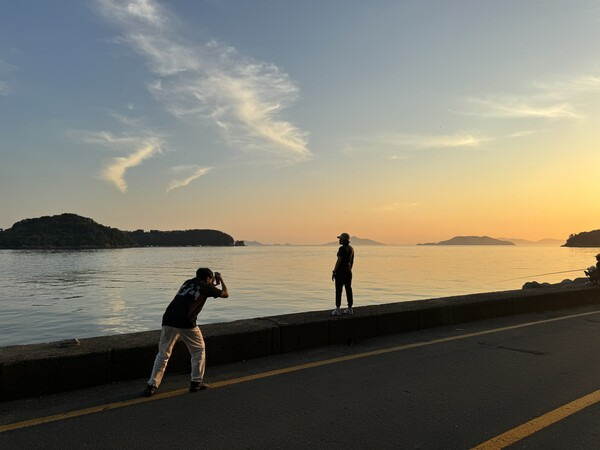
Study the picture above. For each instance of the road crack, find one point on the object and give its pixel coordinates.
(513, 349)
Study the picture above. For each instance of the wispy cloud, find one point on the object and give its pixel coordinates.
(128, 121)
(570, 86)
(418, 142)
(191, 173)
(136, 148)
(399, 146)
(5, 69)
(115, 170)
(552, 100)
(523, 133)
(395, 207)
(146, 12)
(519, 108)
(212, 83)
(107, 139)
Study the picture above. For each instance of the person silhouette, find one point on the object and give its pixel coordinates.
(342, 275)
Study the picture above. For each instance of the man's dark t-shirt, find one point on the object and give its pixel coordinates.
(187, 304)
(346, 252)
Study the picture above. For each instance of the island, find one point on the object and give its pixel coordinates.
(584, 239)
(71, 231)
(471, 240)
(546, 242)
(255, 244)
(357, 241)
(155, 238)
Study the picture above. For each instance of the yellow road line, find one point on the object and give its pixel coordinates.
(539, 423)
(258, 376)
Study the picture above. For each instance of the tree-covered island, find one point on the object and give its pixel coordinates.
(70, 231)
(584, 239)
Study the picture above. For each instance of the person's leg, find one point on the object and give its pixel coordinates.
(339, 284)
(194, 341)
(168, 337)
(348, 287)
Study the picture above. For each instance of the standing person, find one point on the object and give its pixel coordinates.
(342, 275)
(179, 320)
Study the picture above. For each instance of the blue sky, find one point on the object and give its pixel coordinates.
(280, 121)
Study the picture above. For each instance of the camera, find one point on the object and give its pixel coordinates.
(216, 279)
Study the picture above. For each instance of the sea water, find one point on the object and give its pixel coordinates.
(52, 295)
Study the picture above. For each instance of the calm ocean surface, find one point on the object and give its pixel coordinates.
(52, 295)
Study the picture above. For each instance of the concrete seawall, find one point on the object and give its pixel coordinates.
(39, 369)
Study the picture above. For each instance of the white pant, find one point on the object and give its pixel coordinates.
(192, 337)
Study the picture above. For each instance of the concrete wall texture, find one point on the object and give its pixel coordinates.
(39, 369)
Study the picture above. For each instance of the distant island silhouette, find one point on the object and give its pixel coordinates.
(471, 240)
(541, 243)
(353, 240)
(70, 231)
(260, 244)
(357, 241)
(256, 243)
(584, 239)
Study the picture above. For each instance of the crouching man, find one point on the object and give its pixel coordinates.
(179, 320)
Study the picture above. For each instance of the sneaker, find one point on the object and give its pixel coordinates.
(150, 390)
(336, 312)
(196, 386)
(348, 311)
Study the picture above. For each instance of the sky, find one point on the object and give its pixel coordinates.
(284, 121)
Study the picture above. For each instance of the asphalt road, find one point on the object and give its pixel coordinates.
(445, 388)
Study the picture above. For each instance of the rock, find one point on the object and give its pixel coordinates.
(564, 283)
(535, 285)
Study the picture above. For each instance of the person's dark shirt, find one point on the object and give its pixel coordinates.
(346, 253)
(188, 302)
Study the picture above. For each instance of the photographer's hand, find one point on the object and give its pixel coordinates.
(225, 292)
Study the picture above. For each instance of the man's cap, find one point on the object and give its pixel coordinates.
(344, 236)
(598, 256)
